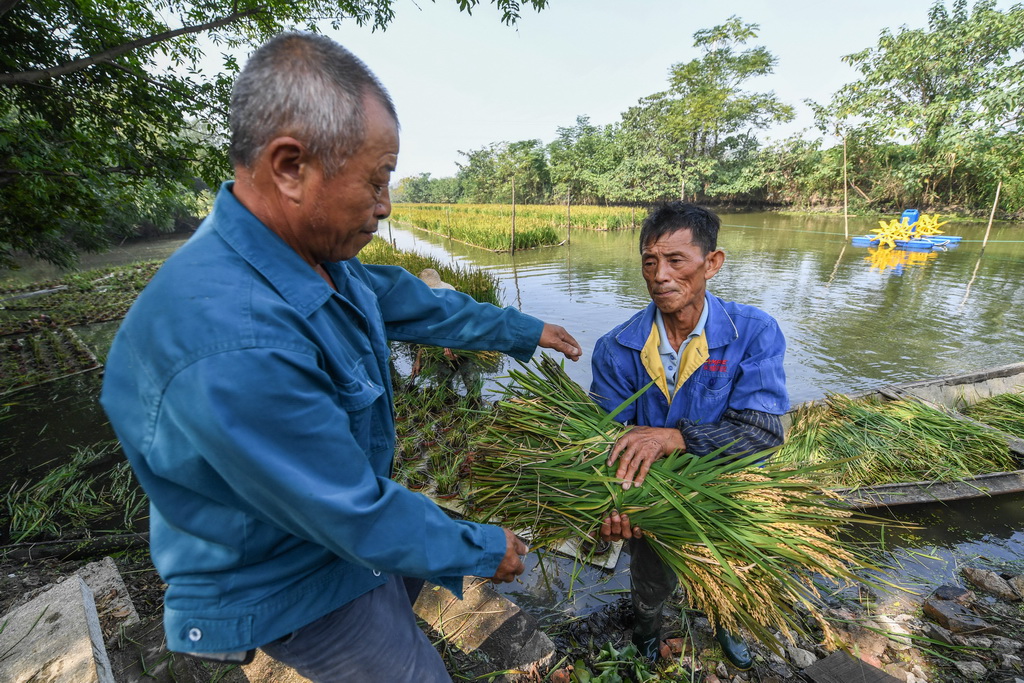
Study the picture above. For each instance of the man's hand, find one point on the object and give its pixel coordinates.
(555, 337)
(616, 527)
(512, 564)
(637, 449)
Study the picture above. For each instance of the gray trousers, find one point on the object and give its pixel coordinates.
(372, 639)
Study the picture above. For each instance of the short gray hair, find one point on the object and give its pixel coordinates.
(307, 86)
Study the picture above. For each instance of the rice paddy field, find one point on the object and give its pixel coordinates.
(490, 225)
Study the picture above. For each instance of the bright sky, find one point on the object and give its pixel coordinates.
(461, 82)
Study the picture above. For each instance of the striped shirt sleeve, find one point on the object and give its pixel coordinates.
(742, 432)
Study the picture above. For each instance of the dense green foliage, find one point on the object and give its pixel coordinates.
(106, 120)
(933, 122)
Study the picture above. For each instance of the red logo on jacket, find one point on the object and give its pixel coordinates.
(714, 365)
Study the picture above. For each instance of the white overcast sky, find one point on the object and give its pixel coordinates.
(461, 82)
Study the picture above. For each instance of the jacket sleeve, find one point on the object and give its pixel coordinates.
(611, 382)
(272, 436)
(760, 384)
(740, 433)
(414, 312)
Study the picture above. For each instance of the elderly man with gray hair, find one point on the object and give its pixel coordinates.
(249, 387)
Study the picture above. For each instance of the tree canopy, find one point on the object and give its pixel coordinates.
(106, 120)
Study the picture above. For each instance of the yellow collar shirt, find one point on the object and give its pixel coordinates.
(672, 360)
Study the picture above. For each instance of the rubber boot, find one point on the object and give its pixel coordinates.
(647, 629)
(734, 649)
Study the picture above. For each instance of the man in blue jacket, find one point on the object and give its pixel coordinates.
(719, 382)
(249, 387)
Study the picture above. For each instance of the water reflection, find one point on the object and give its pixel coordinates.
(982, 532)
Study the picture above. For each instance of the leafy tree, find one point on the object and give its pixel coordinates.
(422, 189)
(581, 159)
(707, 115)
(944, 90)
(488, 173)
(105, 119)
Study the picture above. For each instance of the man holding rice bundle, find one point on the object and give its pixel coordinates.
(719, 384)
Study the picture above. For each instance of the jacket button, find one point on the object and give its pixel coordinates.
(194, 634)
(376, 572)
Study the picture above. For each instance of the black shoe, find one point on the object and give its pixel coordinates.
(648, 646)
(735, 650)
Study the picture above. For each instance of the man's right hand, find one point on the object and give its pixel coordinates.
(512, 564)
(616, 527)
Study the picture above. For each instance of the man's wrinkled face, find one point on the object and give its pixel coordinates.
(677, 270)
(348, 205)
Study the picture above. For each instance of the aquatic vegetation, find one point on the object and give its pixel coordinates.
(490, 225)
(479, 284)
(747, 542)
(72, 500)
(872, 441)
(42, 355)
(77, 299)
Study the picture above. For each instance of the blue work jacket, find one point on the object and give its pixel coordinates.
(254, 403)
(743, 370)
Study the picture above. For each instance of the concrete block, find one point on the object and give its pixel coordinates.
(114, 605)
(486, 623)
(55, 637)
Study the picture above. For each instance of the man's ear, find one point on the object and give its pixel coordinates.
(713, 263)
(289, 165)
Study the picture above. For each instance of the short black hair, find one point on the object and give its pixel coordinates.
(666, 218)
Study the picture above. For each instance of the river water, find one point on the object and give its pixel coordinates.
(854, 318)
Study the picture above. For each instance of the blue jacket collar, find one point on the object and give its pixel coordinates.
(720, 328)
(269, 254)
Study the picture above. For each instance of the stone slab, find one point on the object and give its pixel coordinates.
(839, 667)
(114, 605)
(957, 618)
(486, 624)
(55, 637)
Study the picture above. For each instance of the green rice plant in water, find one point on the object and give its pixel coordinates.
(747, 542)
(67, 500)
(488, 226)
(78, 298)
(1003, 411)
(479, 284)
(871, 441)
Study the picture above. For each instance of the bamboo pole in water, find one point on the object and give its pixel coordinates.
(512, 244)
(568, 216)
(992, 215)
(846, 196)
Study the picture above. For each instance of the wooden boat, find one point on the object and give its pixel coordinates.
(948, 393)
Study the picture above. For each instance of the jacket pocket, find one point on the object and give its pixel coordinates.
(707, 396)
(358, 396)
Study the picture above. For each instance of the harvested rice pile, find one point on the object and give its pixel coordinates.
(882, 442)
(1003, 411)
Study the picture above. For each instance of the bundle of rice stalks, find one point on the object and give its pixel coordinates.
(747, 542)
(1004, 411)
(880, 442)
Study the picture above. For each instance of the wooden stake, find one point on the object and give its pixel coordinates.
(512, 246)
(846, 196)
(568, 216)
(992, 215)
